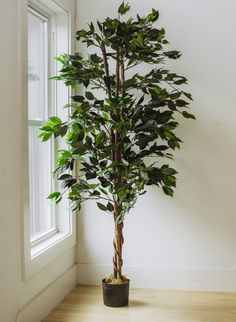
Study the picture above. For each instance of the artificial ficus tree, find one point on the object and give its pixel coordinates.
(113, 134)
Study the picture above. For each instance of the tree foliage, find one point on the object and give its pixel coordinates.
(114, 134)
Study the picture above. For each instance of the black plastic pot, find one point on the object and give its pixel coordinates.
(116, 295)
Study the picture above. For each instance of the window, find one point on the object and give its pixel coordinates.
(49, 229)
(42, 212)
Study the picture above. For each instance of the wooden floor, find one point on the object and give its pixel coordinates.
(84, 304)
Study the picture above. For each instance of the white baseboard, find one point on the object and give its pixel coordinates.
(164, 278)
(46, 300)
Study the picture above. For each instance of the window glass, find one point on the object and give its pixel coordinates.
(42, 219)
(37, 65)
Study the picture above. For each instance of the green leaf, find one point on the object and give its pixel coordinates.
(91, 27)
(180, 81)
(188, 115)
(153, 16)
(161, 147)
(123, 8)
(168, 191)
(188, 95)
(41, 135)
(65, 177)
(171, 179)
(166, 170)
(110, 207)
(78, 207)
(47, 136)
(103, 191)
(53, 195)
(173, 54)
(95, 193)
(168, 134)
(58, 199)
(175, 96)
(181, 103)
(172, 105)
(63, 130)
(99, 26)
(105, 183)
(173, 144)
(101, 206)
(90, 175)
(78, 98)
(55, 119)
(138, 41)
(140, 37)
(89, 96)
(80, 148)
(46, 129)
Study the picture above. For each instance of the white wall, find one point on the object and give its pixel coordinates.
(189, 241)
(21, 301)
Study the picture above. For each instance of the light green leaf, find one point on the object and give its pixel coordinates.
(55, 119)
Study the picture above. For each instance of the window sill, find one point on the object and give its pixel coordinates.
(41, 255)
(47, 244)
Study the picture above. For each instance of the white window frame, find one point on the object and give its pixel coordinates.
(40, 254)
(50, 52)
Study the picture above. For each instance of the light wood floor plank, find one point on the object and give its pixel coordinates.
(84, 304)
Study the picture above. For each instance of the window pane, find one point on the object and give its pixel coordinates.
(37, 66)
(40, 154)
(40, 183)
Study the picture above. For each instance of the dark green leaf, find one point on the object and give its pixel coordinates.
(110, 206)
(123, 8)
(63, 130)
(99, 25)
(188, 95)
(175, 96)
(65, 177)
(174, 54)
(90, 175)
(77, 98)
(101, 206)
(166, 170)
(105, 183)
(188, 115)
(89, 96)
(181, 103)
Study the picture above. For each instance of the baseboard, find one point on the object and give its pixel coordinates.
(46, 300)
(164, 278)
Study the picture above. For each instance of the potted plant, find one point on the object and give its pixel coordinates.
(118, 121)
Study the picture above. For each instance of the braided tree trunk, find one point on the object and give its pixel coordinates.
(119, 239)
(117, 258)
(117, 154)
